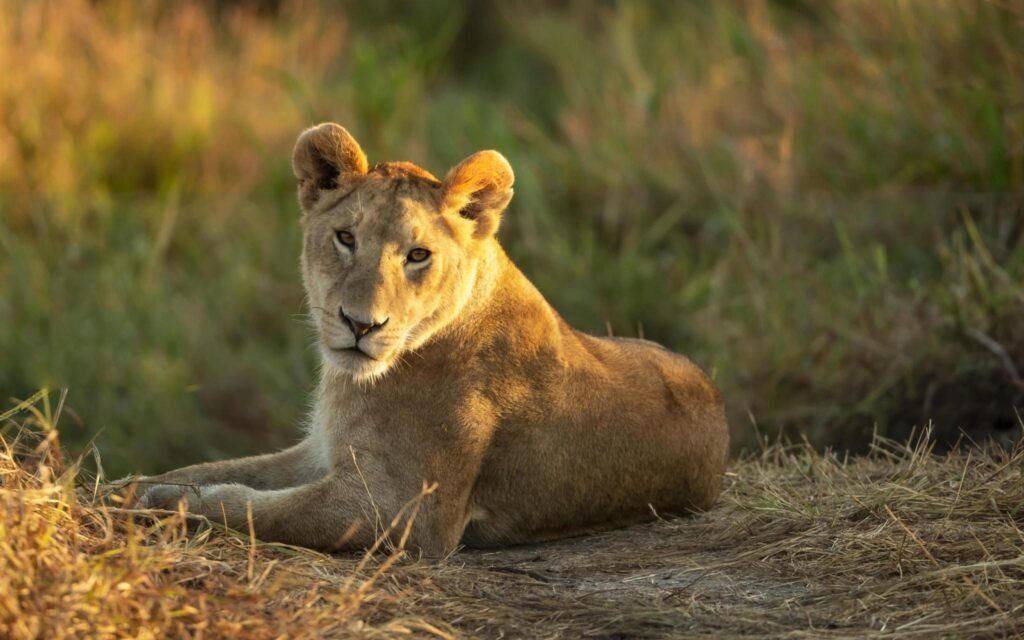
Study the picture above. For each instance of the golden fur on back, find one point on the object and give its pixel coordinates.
(451, 369)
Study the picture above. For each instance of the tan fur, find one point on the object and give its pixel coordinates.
(530, 429)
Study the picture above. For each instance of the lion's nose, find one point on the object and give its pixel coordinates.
(358, 327)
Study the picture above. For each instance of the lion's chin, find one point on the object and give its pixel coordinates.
(355, 363)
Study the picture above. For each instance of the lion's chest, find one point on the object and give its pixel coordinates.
(426, 426)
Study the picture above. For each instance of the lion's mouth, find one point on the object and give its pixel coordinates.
(354, 350)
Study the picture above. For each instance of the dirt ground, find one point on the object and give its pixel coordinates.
(672, 583)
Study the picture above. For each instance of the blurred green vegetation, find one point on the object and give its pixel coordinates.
(820, 203)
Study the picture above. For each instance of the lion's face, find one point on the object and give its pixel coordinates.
(382, 266)
(390, 255)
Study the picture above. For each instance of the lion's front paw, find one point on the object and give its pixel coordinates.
(164, 496)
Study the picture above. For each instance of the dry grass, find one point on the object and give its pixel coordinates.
(900, 543)
(74, 567)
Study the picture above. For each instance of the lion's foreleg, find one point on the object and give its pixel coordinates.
(332, 513)
(292, 467)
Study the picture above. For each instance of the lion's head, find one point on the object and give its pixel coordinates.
(390, 254)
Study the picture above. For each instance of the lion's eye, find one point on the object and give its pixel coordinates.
(346, 238)
(418, 255)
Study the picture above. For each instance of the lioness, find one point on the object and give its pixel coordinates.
(443, 365)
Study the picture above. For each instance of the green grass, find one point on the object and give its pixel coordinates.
(820, 203)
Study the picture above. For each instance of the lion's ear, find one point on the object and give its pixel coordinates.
(324, 156)
(479, 188)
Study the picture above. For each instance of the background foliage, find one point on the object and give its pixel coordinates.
(820, 203)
